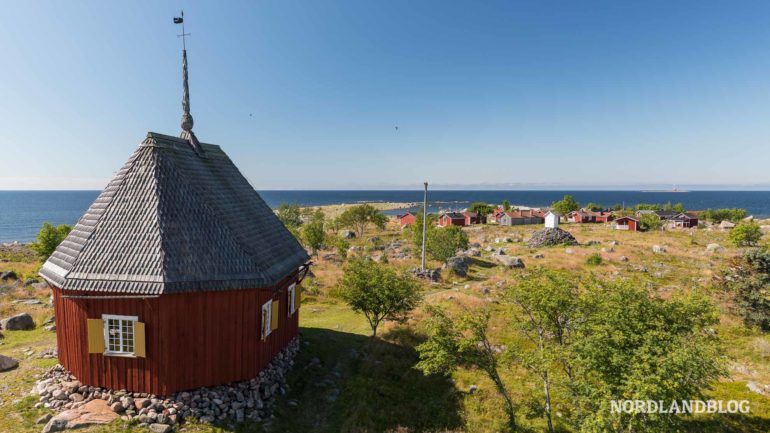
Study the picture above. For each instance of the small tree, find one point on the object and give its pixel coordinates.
(312, 232)
(650, 221)
(631, 346)
(549, 311)
(378, 292)
(594, 206)
(506, 206)
(417, 228)
(565, 205)
(342, 246)
(594, 259)
(746, 233)
(481, 208)
(463, 342)
(444, 243)
(358, 218)
(748, 279)
(290, 215)
(48, 238)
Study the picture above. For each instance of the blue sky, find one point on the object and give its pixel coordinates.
(307, 95)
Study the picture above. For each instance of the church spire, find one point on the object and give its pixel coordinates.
(187, 120)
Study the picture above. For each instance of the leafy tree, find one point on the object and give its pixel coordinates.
(377, 291)
(648, 206)
(748, 279)
(481, 208)
(746, 233)
(565, 205)
(594, 206)
(678, 207)
(443, 243)
(312, 232)
(290, 215)
(417, 228)
(617, 206)
(724, 214)
(358, 218)
(650, 221)
(462, 342)
(506, 206)
(549, 311)
(633, 346)
(48, 238)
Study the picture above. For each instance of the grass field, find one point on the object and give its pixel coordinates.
(345, 381)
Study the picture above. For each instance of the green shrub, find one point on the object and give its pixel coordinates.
(594, 259)
(746, 233)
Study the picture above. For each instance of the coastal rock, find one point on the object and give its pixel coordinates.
(19, 322)
(715, 248)
(658, 249)
(92, 413)
(551, 236)
(459, 265)
(347, 234)
(623, 258)
(7, 363)
(509, 262)
(726, 225)
(429, 274)
(8, 275)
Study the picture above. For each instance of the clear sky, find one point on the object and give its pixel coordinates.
(308, 95)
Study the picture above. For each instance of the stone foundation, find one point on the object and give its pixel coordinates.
(252, 399)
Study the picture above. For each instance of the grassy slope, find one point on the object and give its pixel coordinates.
(361, 385)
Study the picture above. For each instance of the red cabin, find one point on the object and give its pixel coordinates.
(627, 223)
(451, 219)
(474, 218)
(406, 219)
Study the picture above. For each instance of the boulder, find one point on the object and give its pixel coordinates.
(7, 363)
(623, 258)
(8, 275)
(509, 262)
(30, 281)
(160, 428)
(715, 248)
(726, 225)
(19, 322)
(551, 236)
(658, 249)
(471, 252)
(428, 274)
(459, 265)
(347, 234)
(608, 250)
(92, 413)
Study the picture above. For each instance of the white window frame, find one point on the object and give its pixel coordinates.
(266, 326)
(106, 318)
(292, 293)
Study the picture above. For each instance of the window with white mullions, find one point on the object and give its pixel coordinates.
(119, 334)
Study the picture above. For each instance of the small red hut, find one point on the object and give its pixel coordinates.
(178, 276)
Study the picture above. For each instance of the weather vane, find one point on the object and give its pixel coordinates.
(180, 20)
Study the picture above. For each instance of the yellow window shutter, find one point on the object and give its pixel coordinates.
(275, 315)
(140, 347)
(95, 329)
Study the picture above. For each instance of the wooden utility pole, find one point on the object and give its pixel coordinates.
(424, 223)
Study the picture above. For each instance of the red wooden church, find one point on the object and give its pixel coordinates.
(178, 276)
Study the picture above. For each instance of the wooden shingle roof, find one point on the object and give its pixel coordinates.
(175, 219)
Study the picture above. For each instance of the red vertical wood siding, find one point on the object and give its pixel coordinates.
(193, 339)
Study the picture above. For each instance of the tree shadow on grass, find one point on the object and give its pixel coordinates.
(728, 423)
(343, 382)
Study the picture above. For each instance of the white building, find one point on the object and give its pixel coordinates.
(552, 220)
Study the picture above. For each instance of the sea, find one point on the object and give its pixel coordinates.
(22, 213)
